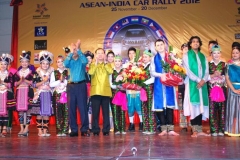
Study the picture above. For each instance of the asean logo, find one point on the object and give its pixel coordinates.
(41, 8)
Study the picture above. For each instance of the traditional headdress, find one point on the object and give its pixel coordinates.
(66, 49)
(88, 53)
(148, 52)
(25, 55)
(184, 45)
(45, 56)
(5, 58)
(60, 56)
(118, 57)
(215, 48)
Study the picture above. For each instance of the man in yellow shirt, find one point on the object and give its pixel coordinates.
(100, 91)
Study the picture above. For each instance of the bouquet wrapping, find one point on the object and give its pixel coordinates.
(175, 73)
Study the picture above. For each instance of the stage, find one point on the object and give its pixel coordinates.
(118, 146)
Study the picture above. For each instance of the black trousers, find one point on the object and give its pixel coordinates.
(165, 117)
(77, 97)
(104, 102)
(197, 120)
(181, 89)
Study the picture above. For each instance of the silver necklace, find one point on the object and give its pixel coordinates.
(236, 62)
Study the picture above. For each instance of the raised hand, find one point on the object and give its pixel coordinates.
(73, 47)
(78, 43)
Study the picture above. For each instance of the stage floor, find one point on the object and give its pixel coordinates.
(118, 146)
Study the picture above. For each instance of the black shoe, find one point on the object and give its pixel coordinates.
(140, 126)
(159, 128)
(106, 133)
(131, 127)
(73, 134)
(85, 134)
(96, 133)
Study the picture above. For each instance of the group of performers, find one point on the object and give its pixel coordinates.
(90, 81)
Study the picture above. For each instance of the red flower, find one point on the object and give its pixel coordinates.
(230, 61)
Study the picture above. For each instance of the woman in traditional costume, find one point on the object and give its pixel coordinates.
(110, 59)
(181, 91)
(119, 103)
(42, 101)
(89, 55)
(216, 90)
(58, 81)
(232, 119)
(149, 122)
(23, 81)
(7, 101)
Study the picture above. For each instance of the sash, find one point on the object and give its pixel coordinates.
(120, 99)
(22, 98)
(45, 103)
(158, 87)
(194, 92)
(3, 103)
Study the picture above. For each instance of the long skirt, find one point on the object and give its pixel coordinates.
(232, 118)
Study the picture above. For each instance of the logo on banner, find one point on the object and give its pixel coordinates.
(40, 44)
(238, 10)
(41, 10)
(133, 31)
(237, 1)
(40, 31)
(237, 35)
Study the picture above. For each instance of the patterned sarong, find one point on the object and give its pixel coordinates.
(22, 98)
(3, 103)
(45, 104)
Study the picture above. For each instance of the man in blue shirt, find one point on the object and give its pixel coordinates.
(77, 90)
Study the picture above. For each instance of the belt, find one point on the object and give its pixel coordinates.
(79, 82)
(236, 83)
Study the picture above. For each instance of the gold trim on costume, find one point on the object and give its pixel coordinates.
(232, 134)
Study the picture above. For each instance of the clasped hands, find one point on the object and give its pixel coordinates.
(74, 47)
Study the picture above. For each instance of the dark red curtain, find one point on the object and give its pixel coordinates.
(14, 41)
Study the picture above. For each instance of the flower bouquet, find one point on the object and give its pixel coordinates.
(216, 91)
(216, 83)
(120, 98)
(134, 76)
(175, 73)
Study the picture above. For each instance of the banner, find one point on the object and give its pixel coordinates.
(120, 24)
